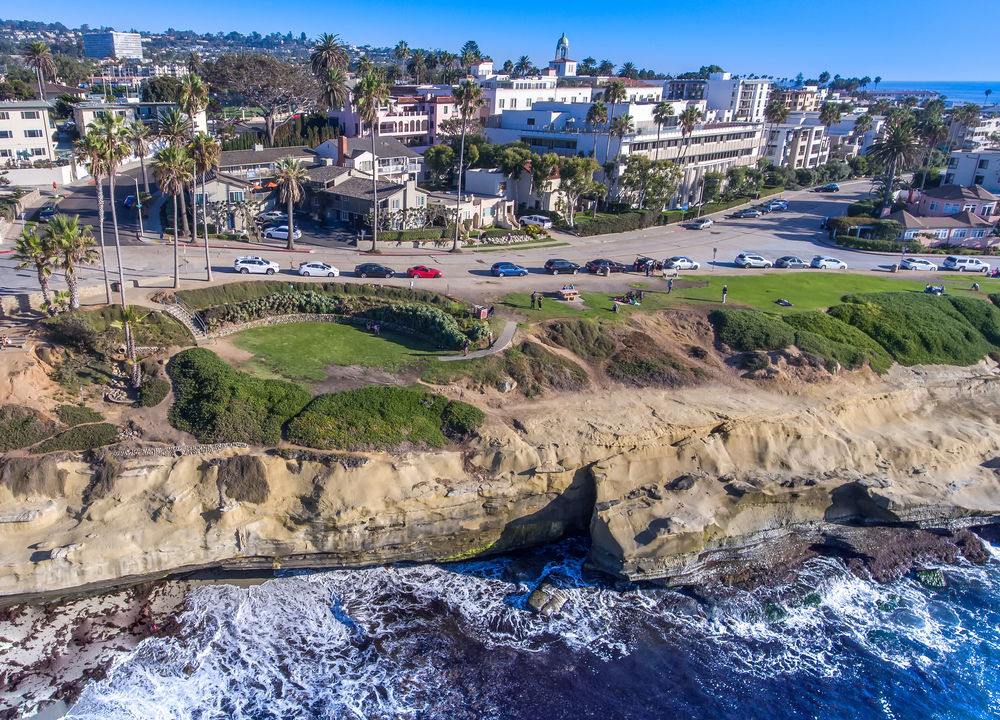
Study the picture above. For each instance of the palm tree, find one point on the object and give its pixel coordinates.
(878, 79)
(829, 114)
(688, 119)
(628, 71)
(468, 99)
(932, 132)
(140, 138)
(175, 128)
(173, 170)
(987, 94)
(34, 251)
(417, 66)
(90, 151)
(523, 66)
(130, 318)
(597, 115)
(371, 93)
(204, 152)
(110, 129)
(328, 52)
(38, 56)
(333, 88)
(290, 176)
(900, 145)
(661, 116)
(614, 93)
(402, 52)
(620, 127)
(74, 246)
(775, 113)
(193, 99)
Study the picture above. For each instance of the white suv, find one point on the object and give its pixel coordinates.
(965, 264)
(752, 260)
(253, 264)
(537, 220)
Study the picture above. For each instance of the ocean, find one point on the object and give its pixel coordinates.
(456, 642)
(955, 91)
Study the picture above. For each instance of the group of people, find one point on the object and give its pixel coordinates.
(632, 297)
(536, 300)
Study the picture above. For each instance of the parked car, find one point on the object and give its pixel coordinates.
(47, 212)
(318, 269)
(502, 269)
(790, 261)
(965, 264)
(252, 264)
(752, 260)
(777, 204)
(604, 266)
(422, 271)
(272, 216)
(281, 232)
(536, 220)
(701, 224)
(642, 262)
(763, 207)
(365, 270)
(915, 263)
(679, 262)
(747, 213)
(555, 266)
(825, 262)
(829, 187)
(130, 201)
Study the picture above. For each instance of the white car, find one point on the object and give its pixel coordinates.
(701, 223)
(824, 262)
(281, 232)
(253, 264)
(536, 220)
(915, 263)
(318, 269)
(965, 264)
(272, 216)
(752, 260)
(679, 262)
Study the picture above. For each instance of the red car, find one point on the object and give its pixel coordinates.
(422, 271)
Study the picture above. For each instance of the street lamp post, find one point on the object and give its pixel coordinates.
(138, 206)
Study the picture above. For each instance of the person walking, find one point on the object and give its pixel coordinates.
(670, 286)
(725, 291)
(649, 267)
(534, 299)
(492, 339)
(465, 348)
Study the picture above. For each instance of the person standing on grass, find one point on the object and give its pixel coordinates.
(725, 291)
(539, 301)
(534, 299)
(670, 286)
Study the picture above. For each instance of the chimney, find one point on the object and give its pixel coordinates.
(258, 147)
(341, 151)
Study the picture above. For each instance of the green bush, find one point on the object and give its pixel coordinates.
(983, 316)
(751, 330)
(864, 208)
(22, 426)
(618, 223)
(153, 392)
(461, 418)
(71, 415)
(92, 329)
(848, 346)
(83, 437)
(534, 368)
(756, 360)
(217, 403)
(432, 233)
(379, 417)
(915, 328)
(584, 338)
(239, 292)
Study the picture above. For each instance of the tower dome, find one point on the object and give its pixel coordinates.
(562, 48)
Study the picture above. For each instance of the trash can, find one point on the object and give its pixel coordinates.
(894, 268)
(115, 287)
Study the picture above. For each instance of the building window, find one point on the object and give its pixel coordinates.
(4, 115)
(198, 197)
(235, 196)
(978, 233)
(6, 134)
(6, 153)
(978, 180)
(934, 206)
(513, 102)
(959, 233)
(969, 206)
(29, 115)
(38, 152)
(983, 164)
(33, 133)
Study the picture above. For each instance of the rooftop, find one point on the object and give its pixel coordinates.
(361, 188)
(963, 219)
(325, 173)
(959, 192)
(25, 104)
(384, 147)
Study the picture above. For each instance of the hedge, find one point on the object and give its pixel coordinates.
(237, 292)
(862, 348)
(217, 403)
(431, 233)
(82, 437)
(71, 415)
(153, 392)
(619, 223)
(751, 330)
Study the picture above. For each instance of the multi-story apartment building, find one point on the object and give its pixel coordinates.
(259, 162)
(691, 89)
(26, 130)
(972, 137)
(844, 142)
(797, 145)
(147, 112)
(111, 44)
(413, 115)
(741, 99)
(803, 99)
(396, 162)
(974, 168)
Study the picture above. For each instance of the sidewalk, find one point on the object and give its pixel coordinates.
(502, 343)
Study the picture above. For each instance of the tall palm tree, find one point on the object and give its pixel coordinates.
(614, 93)
(775, 113)
(39, 253)
(90, 151)
(878, 79)
(130, 318)
(38, 56)
(110, 129)
(468, 100)
(932, 131)
(193, 99)
(290, 176)
(900, 145)
(74, 246)
(139, 136)
(987, 94)
(417, 66)
(204, 152)
(688, 119)
(402, 52)
(175, 128)
(333, 88)
(523, 66)
(371, 93)
(829, 114)
(661, 116)
(173, 170)
(328, 52)
(597, 115)
(620, 127)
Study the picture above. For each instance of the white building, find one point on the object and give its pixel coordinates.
(396, 162)
(962, 137)
(797, 145)
(843, 141)
(26, 130)
(974, 168)
(148, 112)
(743, 99)
(111, 44)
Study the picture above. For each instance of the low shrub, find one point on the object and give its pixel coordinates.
(217, 403)
(864, 208)
(22, 426)
(641, 362)
(849, 346)
(983, 316)
(755, 360)
(153, 392)
(82, 437)
(92, 330)
(584, 338)
(71, 415)
(618, 223)
(461, 418)
(431, 233)
(534, 368)
(751, 330)
(239, 292)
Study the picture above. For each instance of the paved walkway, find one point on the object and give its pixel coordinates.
(502, 343)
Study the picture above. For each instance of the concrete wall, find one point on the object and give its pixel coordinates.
(62, 175)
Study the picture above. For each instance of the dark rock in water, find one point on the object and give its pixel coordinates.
(547, 599)
(931, 578)
(972, 547)
(526, 568)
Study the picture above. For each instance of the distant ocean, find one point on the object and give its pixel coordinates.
(962, 91)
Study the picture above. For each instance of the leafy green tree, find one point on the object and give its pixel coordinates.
(542, 168)
(439, 159)
(371, 92)
(576, 179)
(74, 246)
(468, 99)
(161, 89)
(290, 176)
(173, 170)
(824, 77)
(40, 254)
(712, 186)
(71, 70)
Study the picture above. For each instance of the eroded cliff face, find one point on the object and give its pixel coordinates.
(675, 486)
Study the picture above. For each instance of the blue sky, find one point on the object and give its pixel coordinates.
(899, 41)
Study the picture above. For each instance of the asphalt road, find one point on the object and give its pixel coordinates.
(791, 232)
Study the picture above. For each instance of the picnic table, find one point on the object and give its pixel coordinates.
(569, 294)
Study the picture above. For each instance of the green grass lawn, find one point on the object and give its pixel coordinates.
(301, 351)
